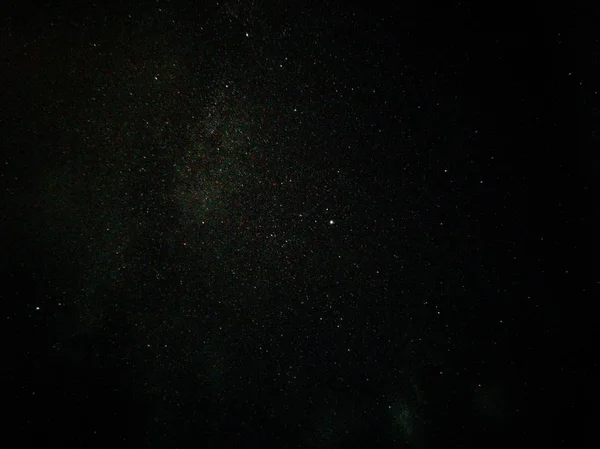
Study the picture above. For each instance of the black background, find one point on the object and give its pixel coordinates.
(165, 285)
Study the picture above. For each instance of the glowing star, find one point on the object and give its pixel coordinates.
(331, 222)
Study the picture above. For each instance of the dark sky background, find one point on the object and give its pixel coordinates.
(297, 224)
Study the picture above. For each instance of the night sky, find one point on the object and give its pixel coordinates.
(245, 224)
